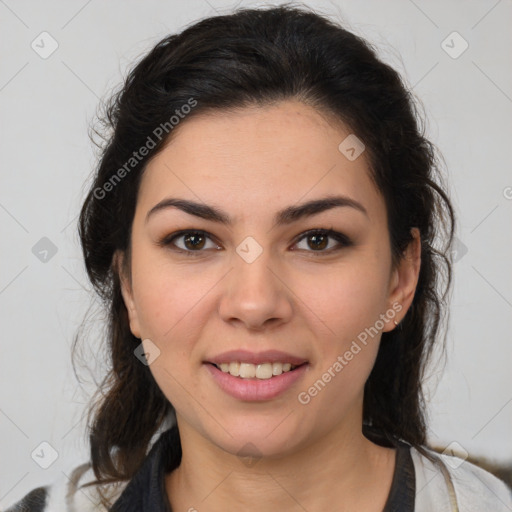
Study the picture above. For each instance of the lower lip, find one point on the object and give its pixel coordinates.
(255, 389)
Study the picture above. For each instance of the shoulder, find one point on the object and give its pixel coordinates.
(444, 482)
(68, 494)
(34, 501)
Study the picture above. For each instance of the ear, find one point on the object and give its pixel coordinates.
(126, 291)
(403, 281)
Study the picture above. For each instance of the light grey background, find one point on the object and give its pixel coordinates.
(46, 160)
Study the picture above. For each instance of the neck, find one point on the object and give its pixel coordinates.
(343, 467)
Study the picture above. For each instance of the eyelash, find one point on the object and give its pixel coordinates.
(342, 239)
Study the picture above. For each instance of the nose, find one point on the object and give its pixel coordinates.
(255, 295)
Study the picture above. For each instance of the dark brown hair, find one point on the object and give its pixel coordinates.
(258, 57)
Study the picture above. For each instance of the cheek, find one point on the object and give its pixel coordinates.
(346, 354)
(349, 298)
(167, 295)
(349, 302)
(173, 305)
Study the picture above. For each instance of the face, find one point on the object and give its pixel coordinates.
(250, 275)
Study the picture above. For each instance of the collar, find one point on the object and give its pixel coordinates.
(146, 490)
(403, 487)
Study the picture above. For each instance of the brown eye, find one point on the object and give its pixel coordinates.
(188, 242)
(194, 241)
(319, 241)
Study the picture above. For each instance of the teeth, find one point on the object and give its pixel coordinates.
(259, 371)
(247, 371)
(233, 369)
(264, 371)
(277, 368)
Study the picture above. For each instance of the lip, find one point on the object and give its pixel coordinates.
(267, 356)
(254, 390)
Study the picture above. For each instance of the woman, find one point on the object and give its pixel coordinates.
(264, 228)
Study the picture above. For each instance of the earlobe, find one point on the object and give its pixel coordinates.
(404, 280)
(126, 292)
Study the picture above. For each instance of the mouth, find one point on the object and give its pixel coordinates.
(262, 371)
(256, 376)
(256, 382)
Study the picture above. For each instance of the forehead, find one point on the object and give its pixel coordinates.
(258, 157)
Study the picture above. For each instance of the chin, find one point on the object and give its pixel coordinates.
(262, 438)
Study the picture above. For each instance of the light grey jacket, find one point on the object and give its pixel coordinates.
(454, 485)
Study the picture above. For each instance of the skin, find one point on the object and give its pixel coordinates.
(252, 163)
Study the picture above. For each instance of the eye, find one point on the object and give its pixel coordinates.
(189, 242)
(318, 240)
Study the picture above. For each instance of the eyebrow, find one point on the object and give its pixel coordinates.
(286, 216)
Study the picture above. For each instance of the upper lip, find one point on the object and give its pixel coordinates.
(267, 356)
